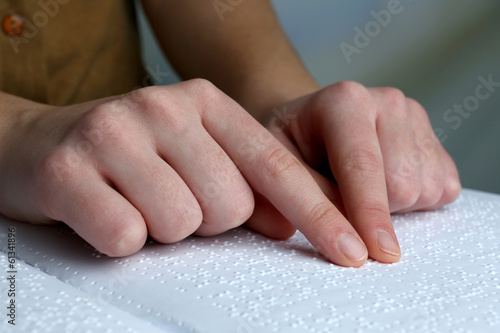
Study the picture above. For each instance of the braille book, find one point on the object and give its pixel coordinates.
(447, 280)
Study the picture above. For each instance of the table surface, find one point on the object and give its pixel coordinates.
(447, 280)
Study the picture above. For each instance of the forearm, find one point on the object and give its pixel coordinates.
(246, 55)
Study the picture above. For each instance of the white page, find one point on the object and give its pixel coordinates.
(45, 304)
(447, 279)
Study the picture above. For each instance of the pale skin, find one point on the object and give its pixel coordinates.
(202, 158)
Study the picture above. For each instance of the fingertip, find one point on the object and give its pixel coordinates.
(386, 258)
(126, 246)
(347, 250)
(387, 249)
(357, 264)
(125, 241)
(353, 249)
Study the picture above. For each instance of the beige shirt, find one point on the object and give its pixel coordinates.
(68, 51)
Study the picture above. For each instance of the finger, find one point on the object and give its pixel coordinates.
(224, 196)
(169, 208)
(99, 214)
(452, 186)
(357, 164)
(267, 220)
(275, 173)
(397, 143)
(427, 158)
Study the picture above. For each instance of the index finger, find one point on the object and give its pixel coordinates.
(273, 171)
(355, 157)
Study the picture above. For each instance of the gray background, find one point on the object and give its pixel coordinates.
(432, 50)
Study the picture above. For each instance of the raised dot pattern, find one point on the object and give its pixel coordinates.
(447, 279)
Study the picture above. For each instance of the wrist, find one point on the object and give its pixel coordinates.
(260, 97)
(15, 114)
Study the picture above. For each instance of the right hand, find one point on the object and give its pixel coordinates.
(169, 161)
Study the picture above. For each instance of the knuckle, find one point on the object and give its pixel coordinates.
(187, 220)
(345, 90)
(432, 190)
(104, 123)
(403, 193)
(362, 160)
(418, 111)
(227, 202)
(136, 97)
(203, 89)
(202, 86)
(395, 98)
(320, 217)
(162, 108)
(349, 88)
(239, 208)
(413, 104)
(375, 211)
(141, 97)
(182, 221)
(279, 162)
(206, 94)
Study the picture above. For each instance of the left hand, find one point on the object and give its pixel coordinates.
(381, 151)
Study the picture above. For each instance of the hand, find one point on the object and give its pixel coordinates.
(383, 155)
(152, 161)
(169, 161)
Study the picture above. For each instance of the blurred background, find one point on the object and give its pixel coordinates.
(437, 52)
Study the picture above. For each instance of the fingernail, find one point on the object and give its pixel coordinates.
(351, 247)
(387, 244)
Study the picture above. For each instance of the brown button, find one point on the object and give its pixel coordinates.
(13, 25)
